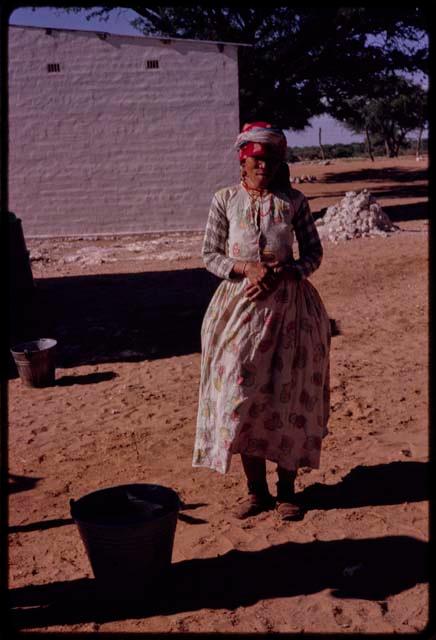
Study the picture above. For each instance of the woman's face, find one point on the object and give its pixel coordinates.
(259, 171)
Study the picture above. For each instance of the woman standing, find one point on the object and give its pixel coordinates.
(264, 389)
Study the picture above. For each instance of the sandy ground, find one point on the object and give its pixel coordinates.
(126, 313)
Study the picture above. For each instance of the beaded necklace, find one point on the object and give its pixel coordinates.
(256, 202)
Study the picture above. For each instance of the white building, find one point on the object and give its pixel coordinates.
(115, 134)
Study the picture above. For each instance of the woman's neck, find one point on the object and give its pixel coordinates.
(258, 190)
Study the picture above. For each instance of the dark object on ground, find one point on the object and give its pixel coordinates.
(21, 287)
(335, 327)
(36, 362)
(128, 532)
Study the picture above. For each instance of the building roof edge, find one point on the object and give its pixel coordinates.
(122, 35)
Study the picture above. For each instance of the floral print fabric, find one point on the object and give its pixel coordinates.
(264, 388)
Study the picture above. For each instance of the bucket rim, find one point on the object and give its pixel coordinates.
(74, 504)
(126, 525)
(29, 346)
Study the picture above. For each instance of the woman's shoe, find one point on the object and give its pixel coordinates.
(259, 499)
(252, 506)
(289, 510)
(287, 503)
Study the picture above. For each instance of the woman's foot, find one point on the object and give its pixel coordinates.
(259, 499)
(289, 510)
(252, 506)
(288, 505)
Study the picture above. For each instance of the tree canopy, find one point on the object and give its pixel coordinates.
(302, 62)
(396, 108)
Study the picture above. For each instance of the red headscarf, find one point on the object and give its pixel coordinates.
(261, 139)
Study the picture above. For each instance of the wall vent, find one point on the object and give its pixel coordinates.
(53, 68)
(152, 64)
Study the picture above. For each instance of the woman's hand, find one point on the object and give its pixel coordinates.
(257, 273)
(261, 286)
(261, 290)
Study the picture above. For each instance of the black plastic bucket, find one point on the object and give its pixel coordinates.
(36, 362)
(128, 532)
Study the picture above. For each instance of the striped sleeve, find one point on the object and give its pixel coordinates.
(309, 244)
(215, 240)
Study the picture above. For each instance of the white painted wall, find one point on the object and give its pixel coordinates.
(109, 147)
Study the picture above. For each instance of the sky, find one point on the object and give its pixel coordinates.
(118, 23)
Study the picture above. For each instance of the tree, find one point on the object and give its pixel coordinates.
(395, 108)
(419, 142)
(299, 57)
(368, 143)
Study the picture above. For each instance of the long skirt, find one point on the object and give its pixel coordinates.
(264, 388)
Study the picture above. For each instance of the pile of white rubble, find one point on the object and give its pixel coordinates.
(299, 179)
(355, 216)
(92, 250)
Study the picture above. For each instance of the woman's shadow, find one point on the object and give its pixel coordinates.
(392, 483)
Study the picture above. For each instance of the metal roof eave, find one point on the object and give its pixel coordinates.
(121, 35)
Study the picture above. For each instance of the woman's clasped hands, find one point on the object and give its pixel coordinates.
(262, 279)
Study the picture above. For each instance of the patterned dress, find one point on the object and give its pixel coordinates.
(264, 388)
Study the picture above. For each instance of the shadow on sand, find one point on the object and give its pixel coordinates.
(381, 484)
(41, 525)
(371, 569)
(405, 212)
(382, 173)
(121, 317)
(414, 191)
(21, 483)
(90, 378)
